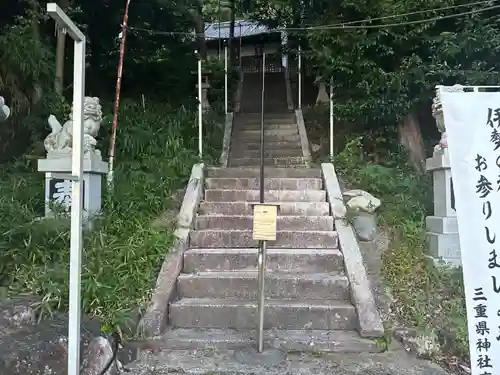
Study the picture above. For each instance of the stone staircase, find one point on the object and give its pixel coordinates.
(281, 140)
(308, 293)
(307, 290)
(311, 303)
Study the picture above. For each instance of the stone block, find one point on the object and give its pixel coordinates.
(444, 225)
(280, 161)
(244, 239)
(445, 247)
(287, 260)
(242, 222)
(241, 314)
(58, 186)
(333, 191)
(246, 208)
(270, 195)
(269, 172)
(279, 285)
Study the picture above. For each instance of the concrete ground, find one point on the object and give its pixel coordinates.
(273, 362)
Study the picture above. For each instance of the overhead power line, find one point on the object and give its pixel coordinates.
(349, 25)
(405, 23)
(366, 20)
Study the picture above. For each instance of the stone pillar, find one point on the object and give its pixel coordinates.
(4, 110)
(57, 164)
(205, 104)
(58, 186)
(322, 94)
(442, 228)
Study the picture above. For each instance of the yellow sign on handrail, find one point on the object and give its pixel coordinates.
(264, 222)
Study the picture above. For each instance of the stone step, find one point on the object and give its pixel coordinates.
(291, 138)
(249, 118)
(241, 152)
(283, 260)
(284, 223)
(237, 144)
(231, 195)
(243, 238)
(246, 208)
(308, 341)
(267, 126)
(271, 183)
(282, 161)
(268, 172)
(255, 133)
(238, 314)
(279, 285)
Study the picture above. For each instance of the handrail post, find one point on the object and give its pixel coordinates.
(225, 79)
(299, 104)
(262, 244)
(200, 109)
(331, 118)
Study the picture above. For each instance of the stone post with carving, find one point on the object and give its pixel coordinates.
(322, 94)
(4, 110)
(205, 104)
(57, 164)
(442, 229)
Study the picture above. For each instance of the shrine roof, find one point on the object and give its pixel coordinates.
(242, 28)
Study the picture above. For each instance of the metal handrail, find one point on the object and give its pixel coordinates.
(262, 244)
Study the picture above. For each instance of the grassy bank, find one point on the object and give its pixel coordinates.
(156, 149)
(426, 298)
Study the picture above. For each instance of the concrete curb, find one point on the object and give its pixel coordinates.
(289, 97)
(155, 318)
(304, 141)
(237, 95)
(226, 143)
(369, 321)
(333, 191)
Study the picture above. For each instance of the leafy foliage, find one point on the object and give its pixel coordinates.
(382, 72)
(156, 149)
(426, 297)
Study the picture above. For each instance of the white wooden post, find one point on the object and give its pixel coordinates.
(75, 263)
(225, 79)
(300, 79)
(331, 119)
(200, 110)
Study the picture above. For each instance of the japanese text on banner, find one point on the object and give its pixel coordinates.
(472, 121)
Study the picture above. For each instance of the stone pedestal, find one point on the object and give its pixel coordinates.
(322, 94)
(442, 228)
(58, 187)
(205, 105)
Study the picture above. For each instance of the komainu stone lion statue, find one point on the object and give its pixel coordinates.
(59, 142)
(4, 110)
(437, 113)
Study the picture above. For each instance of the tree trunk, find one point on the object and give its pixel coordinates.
(410, 138)
(37, 91)
(60, 52)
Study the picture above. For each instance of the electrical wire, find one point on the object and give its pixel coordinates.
(406, 23)
(345, 26)
(410, 13)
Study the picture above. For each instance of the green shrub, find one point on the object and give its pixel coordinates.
(156, 149)
(426, 297)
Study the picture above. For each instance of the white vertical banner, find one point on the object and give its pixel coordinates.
(472, 121)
